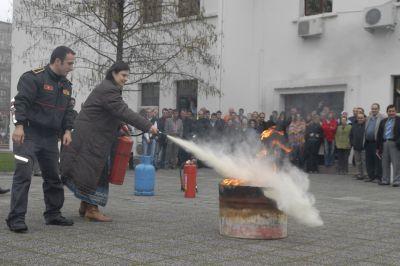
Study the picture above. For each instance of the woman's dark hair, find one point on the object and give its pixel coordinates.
(116, 68)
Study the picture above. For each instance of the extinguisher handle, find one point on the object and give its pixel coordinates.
(125, 128)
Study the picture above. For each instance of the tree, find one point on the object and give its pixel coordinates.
(159, 39)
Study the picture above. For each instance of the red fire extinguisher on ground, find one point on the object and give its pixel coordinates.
(190, 173)
(121, 160)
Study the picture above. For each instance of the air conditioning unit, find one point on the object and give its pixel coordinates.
(308, 26)
(380, 17)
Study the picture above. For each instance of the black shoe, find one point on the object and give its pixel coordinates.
(360, 178)
(19, 227)
(396, 185)
(383, 183)
(60, 220)
(4, 191)
(369, 180)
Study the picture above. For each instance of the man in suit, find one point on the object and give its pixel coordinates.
(373, 162)
(388, 146)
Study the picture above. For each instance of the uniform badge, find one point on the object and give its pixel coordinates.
(48, 87)
(38, 70)
(66, 92)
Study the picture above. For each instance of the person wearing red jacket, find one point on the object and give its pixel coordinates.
(329, 126)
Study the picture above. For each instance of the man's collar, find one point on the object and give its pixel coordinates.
(53, 75)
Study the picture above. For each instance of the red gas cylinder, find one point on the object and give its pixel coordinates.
(190, 172)
(121, 160)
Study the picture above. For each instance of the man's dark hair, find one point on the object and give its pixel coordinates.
(116, 68)
(377, 104)
(390, 106)
(60, 52)
(219, 112)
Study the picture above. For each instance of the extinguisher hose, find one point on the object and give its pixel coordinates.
(137, 135)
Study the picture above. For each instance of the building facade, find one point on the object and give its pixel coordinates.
(5, 83)
(274, 55)
(341, 62)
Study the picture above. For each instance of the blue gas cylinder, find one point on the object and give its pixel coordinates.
(145, 175)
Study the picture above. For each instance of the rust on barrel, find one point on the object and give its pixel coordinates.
(245, 212)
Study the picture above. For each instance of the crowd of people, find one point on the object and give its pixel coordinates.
(231, 128)
(370, 140)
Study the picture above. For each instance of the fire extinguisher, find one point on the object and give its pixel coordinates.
(190, 173)
(121, 160)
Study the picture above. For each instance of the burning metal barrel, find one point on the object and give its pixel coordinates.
(245, 212)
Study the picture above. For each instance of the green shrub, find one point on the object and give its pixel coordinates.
(7, 163)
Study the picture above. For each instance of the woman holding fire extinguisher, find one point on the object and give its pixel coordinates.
(84, 163)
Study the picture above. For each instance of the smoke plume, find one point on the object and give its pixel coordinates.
(287, 186)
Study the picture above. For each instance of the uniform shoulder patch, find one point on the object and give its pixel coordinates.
(37, 70)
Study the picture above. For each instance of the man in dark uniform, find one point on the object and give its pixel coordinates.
(42, 110)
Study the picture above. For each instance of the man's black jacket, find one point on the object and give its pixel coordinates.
(381, 132)
(44, 100)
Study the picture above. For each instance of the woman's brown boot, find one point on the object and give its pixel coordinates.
(82, 208)
(94, 215)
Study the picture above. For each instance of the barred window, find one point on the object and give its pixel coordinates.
(314, 7)
(188, 8)
(152, 11)
(150, 94)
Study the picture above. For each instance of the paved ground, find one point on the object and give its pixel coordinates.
(362, 226)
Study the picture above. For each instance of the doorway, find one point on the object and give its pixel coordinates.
(186, 95)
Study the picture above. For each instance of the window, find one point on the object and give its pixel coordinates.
(112, 14)
(188, 8)
(150, 94)
(396, 92)
(314, 7)
(186, 92)
(152, 10)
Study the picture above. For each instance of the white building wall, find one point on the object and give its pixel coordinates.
(239, 55)
(346, 57)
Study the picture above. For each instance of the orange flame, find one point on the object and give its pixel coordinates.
(231, 182)
(282, 146)
(275, 142)
(268, 133)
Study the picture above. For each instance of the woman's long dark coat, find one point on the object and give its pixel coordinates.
(95, 130)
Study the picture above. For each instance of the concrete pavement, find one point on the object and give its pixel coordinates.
(362, 227)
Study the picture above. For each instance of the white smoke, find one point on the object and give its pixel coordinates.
(288, 186)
